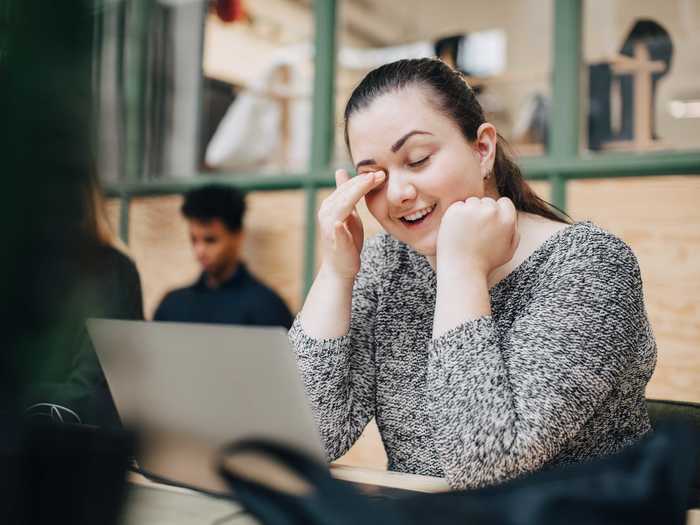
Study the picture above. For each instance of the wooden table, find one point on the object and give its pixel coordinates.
(154, 504)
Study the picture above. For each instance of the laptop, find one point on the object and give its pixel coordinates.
(191, 389)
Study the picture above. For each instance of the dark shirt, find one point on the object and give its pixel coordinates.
(241, 300)
(99, 281)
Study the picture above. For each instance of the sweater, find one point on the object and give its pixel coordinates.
(556, 374)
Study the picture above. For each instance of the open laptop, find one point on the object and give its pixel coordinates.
(190, 389)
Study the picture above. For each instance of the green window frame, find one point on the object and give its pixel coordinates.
(562, 162)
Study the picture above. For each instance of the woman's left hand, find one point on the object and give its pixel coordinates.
(477, 235)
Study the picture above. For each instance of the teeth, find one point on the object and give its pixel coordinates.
(419, 214)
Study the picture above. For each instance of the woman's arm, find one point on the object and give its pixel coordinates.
(333, 334)
(476, 236)
(336, 360)
(326, 311)
(503, 404)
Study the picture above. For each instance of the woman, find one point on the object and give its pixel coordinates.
(488, 336)
(85, 274)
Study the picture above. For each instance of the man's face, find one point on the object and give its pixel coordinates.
(214, 245)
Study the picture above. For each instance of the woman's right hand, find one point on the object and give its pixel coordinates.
(340, 226)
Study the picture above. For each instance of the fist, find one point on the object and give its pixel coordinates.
(478, 234)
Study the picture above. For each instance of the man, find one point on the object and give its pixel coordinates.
(225, 292)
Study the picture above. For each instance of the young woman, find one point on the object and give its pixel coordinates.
(86, 274)
(487, 335)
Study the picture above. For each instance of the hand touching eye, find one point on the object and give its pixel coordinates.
(341, 231)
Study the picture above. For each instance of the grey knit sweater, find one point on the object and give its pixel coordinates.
(555, 375)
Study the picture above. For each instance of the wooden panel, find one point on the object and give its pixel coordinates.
(275, 240)
(660, 219)
(159, 244)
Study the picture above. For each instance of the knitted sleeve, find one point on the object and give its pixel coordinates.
(339, 373)
(502, 404)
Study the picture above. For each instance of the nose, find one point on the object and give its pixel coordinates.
(400, 190)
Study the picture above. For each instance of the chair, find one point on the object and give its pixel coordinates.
(662, 410)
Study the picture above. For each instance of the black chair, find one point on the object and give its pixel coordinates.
(662, 410)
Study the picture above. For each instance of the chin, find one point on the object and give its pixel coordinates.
(425, 246)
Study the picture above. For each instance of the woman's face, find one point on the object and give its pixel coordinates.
(428, 162)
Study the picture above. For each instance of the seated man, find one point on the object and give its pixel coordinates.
(225, 292)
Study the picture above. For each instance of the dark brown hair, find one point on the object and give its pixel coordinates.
(216, 201)
(453, 97)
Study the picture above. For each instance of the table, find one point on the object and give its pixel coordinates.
(155, 504)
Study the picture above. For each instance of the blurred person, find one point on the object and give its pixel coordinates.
(89, 276)
(51, 259)
(488, 334)
(225, 292)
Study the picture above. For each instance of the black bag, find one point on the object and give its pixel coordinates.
(647, 483)
(51, 473)
(329, 502)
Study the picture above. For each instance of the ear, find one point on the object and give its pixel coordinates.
(485, 145)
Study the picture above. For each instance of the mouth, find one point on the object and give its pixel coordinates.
(418, 217)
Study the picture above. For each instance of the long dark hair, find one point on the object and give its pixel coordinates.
(453, 97)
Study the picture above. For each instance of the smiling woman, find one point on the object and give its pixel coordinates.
(487, 335)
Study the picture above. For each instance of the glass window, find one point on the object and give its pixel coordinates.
(642, 75)
(258, 78)
(150, 64)
(225, 86)
(503, 48)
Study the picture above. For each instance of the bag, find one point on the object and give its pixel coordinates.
(328, 502)
(63, 473)
(648, 483)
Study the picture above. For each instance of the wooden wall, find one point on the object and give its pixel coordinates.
(273, 247)
(658, 217)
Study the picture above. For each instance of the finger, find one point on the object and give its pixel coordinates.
(473, 201)
(345, 183)
(354, 225)
(330, 203)
(341, 177)
(489, 206)
(342, 239)
(507, 210)
(456, 204)
(348, 195)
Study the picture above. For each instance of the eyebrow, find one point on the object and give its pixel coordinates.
(395, 147)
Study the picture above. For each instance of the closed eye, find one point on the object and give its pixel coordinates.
(419, 162)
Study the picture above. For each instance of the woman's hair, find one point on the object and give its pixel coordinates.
(452, 96)
(93, 220)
